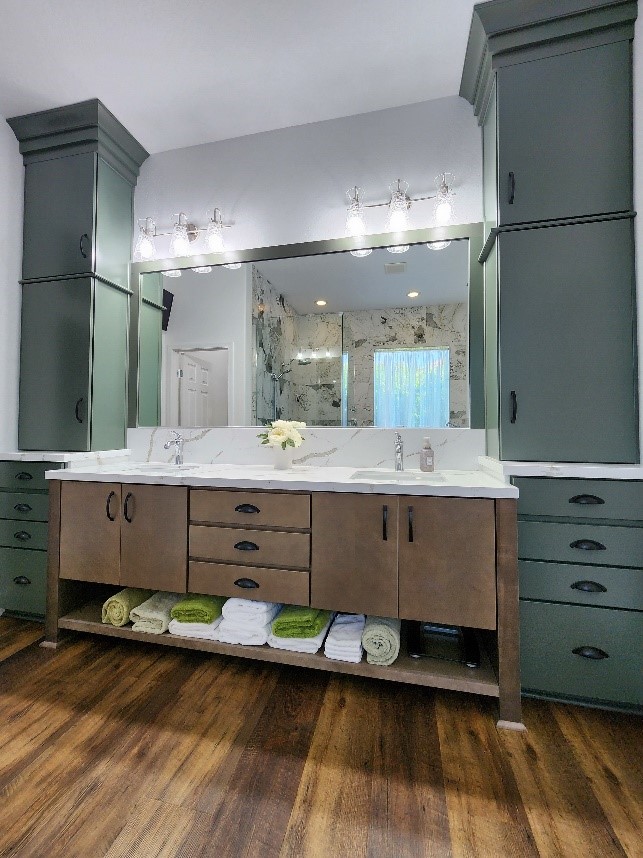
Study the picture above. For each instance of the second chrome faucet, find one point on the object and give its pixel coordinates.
(399, 452)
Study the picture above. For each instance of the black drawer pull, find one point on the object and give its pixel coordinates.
(588, 587)
(22, 535)
(385, 523)
(247, 507)
(22, 507)
(126, 512)
(587, 500)
(514, 406)
(511, 188)
(244, 545)
(246, 584)
(24, 475)
(587, 545)
(77, 410)
(410, 524)
(592, 652)
(107, 506)
(81, 244)
(21, 581)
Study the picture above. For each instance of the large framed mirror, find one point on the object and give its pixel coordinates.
(316, 332)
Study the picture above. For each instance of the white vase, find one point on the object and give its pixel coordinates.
(283, 458)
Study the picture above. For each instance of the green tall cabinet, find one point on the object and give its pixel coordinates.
(81, 167)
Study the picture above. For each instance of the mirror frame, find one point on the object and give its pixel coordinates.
(472, 231)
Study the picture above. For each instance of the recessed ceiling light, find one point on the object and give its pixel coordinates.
(320, 303)
(413, 294)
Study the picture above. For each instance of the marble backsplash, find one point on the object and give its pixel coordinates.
(360, 448)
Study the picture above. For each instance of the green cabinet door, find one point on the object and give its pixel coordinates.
(113, 225)
(567, 344)
(58, 237)
(109, 367)
(565, 135)
(54, 412)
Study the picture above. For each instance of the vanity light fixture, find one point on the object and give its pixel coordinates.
(202, 269)
(320, 302)
(360, 254)
(180, 241)
(145, 247)
(232, 265)
(413, 294)
(398, 248)
(355, 222)
(214, 233)
(437, 245)
(443, 208)
(172, 272)
(398, 207)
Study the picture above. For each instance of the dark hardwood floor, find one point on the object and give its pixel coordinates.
(111, 749)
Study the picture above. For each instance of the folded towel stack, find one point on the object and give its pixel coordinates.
(344, 641)
(153, 615)
(381, 640)
(197, 616)
(117, 608)
(299, 629)
(202, 631)
(247, 622)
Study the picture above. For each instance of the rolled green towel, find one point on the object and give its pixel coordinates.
(297, 621)
(195, 608)
(381, 640)
(116, 609)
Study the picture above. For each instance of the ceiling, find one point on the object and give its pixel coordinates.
(180, 74)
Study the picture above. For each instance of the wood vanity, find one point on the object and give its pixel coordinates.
(443, 559)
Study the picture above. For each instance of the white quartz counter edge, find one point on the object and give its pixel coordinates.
(582, 470)
(96, 457)
(328, 479)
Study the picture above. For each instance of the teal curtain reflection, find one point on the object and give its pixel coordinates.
(411, 387)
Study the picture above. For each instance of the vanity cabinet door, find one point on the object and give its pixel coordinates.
(354, 553)
(90, 531)
(448, 561)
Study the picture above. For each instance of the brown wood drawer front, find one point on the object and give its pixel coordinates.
(250, 547)
(273, 585)
(254, 509)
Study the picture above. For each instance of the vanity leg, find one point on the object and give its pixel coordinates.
(508, 614)
(53, 567)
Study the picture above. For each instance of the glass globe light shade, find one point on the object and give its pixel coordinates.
(214, 237)
(180, 243)
(437, 245)
(360, 254)
(203, 269)
(232, 265)
(443, 211)
(173, 272)
(398, 248)
(145, 247)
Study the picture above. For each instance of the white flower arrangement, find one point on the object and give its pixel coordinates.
(283, 433)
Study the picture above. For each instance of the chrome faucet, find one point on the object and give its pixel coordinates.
(177, 443)
(399, 452)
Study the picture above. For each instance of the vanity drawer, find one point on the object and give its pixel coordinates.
(21, 506)
(264, 509)
(250, 547)
(272, 585)
(25, 475)
(22, 534)
(550, 633)
(23, 581)
(617, 499)
(608, 587)
(580, 543)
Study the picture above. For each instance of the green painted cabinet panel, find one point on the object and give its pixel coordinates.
(23, 534)
(567, 344)
(58, 236)
(113, 225)
(109, 367)
(24, 506)
(149, 365)
(565, 135)
(23, 581)
(549, 634)
(592, 544)
(608, 499)
(28, 476)
(595, 586)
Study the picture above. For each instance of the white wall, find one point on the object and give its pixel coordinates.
(638, 199)
(11, 205)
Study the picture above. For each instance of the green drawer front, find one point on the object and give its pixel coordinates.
(23, 534)
(21, 506)
(23, 581)
(550, 633)
(539, 540)
(573, 498)
(605, 587)
(25, 475)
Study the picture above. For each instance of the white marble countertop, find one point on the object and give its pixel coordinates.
(450, 483)
(580, 470)
(58, 456)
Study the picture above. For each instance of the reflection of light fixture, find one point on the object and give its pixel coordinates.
(173, 272)
(327, 352)
(145, 247)
(180, 241)
(444, 201)
(214, 233)
(412, 294)
(320, 302)
(355, 223)
(398, 248)
(398, 207)
(202, 269)
(437, 245)
(232, 265)
(360, 254)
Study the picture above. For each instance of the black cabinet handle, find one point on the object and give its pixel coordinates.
(21, 581)
(514, 406)
(588, 500)
(385, 523)
(244, 545)
(126, 514)
(22, 507)
(107, 505)
(81, 244)
(588, 587)
(24, 475)
(247, 507)
(511, 188)
(77, 409)
(22, 535)
(592, 652)
(246, 584)
(587, 545)
(410, 524)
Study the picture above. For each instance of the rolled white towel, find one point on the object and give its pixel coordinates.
(243, 610)
(153, 615)
(344, 641)
(307, 645)
(202, 631)
(248, 634)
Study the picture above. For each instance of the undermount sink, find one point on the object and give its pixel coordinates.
(389, 476)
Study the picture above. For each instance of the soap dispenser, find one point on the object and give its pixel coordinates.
(427, 456)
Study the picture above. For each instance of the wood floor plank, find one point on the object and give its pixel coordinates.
(564, 814)
(162, 830)
(486, 814)
(16, 635)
